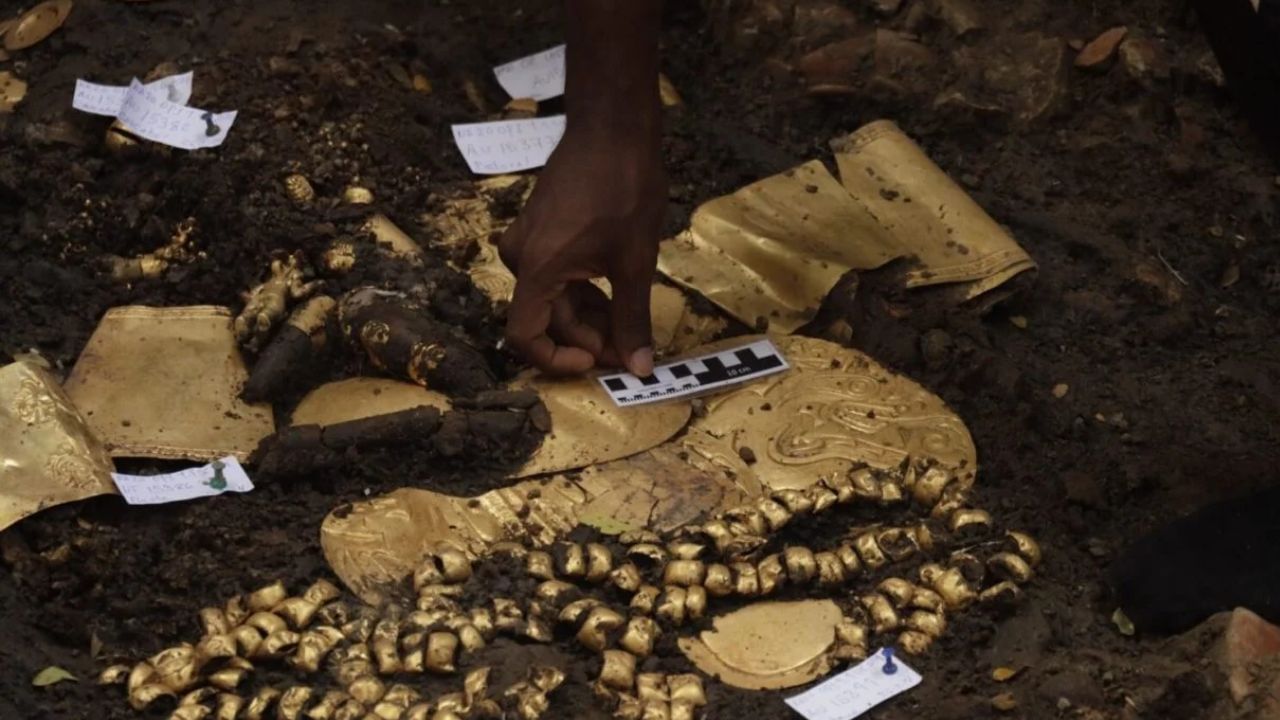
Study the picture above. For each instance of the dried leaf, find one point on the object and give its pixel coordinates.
(51, 675)
(1123, 623)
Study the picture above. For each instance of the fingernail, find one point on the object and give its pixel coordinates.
(641, 362)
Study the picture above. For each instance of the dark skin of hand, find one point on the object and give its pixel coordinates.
(599, 205)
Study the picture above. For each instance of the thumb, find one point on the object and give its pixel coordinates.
(629, 315)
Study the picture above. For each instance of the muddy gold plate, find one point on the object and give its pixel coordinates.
(767, 645)
(37, 24)
(836, 408)
(363, 397)
(588, 428)
(164, 383)
(48, 456)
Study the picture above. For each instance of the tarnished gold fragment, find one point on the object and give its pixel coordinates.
(265, 304)
(385, 646)
(554, 591)
(626, 577)
(48, 453)
(767, 645)
(140, 358)
(36, 24)
(214, 621)
(653, 554)
(298, 188)
(339, 257)
(619, 670)
(314, 645)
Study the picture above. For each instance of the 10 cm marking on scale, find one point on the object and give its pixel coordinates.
(692, 376)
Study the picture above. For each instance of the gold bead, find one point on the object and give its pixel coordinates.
(594, 632)
(267, 597)
(671, 605)
(638, 639)
(442, 648)
(626, 577)
(695, 602)
(869, 551)
(719, 580)
(599, 562)
(800, 564)
(684, 573)
(1026, 546)
(645, 600)
(1008, 566)
(771, 573)
(830, 569)
(299, 189)
(619, 670)
(883, 617)
(746, 580)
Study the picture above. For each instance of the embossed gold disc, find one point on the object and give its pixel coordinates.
(836, 408)
(363, 397)
(165, 383)
(37, 24)
(48, 456)
(588, 428)
(767, 645)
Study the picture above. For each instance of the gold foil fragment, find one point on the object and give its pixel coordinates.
(48, 453)
(767, 645)
(952, 237)
(36, 24)
(12, 91)
(140, 358)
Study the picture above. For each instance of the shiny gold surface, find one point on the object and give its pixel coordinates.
(953, 238)
(834, 410)
(391, 238)
(164, 382)
(48, 455)
(12, 91)
(363, 397)
(37, 24)
(767, 645)
(588, 428)
(769, 253)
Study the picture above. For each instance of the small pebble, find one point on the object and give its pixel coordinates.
(1060, 390)
(1004, 702)
(1018, 321)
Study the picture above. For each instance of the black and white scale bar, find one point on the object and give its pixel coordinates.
(696, 375)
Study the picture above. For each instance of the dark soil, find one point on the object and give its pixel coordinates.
(1147, 204)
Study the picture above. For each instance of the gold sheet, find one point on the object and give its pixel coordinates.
(952, 237)
(769, 253)
(767, 645)
(834, 409)
(164, 383)
(363, 397)
(48, 456)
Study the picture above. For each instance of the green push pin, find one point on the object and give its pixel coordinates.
(218, 482)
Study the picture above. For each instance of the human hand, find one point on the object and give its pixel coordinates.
(597, 211)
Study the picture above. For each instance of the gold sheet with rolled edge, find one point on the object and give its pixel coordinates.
(769, 253)
(165, 383)
(377, 543)
(767, 645)
(48, 456)
(952, 237)
(363, 397)
(834, 409)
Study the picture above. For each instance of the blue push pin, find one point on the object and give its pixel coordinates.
(889, 667)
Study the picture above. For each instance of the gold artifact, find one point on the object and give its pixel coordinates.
(769, 253)
(265, 305)
(154, 263)
(356, 195)
(363, 397)
(12, 91)
(48, 455)
(37, 24)
(768, 645)
(835, 410)
(299, 189)
(667, 92)
(587, 428)
(391, 238)
(519, 108)
(163, 382)
(951, 236)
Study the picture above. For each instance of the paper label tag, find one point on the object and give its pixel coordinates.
(855, 691)
(226, 475)
(149, 114)
(493, 148)
(108, 99)
(697, 375)
(539, 76)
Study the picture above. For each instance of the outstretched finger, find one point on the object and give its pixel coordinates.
(528, 319)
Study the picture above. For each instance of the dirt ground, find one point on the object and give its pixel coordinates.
(1149, 208)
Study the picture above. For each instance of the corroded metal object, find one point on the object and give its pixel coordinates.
(140, 359)
(48, 455)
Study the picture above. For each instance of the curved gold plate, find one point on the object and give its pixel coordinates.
(363, 397)
(767, 645)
